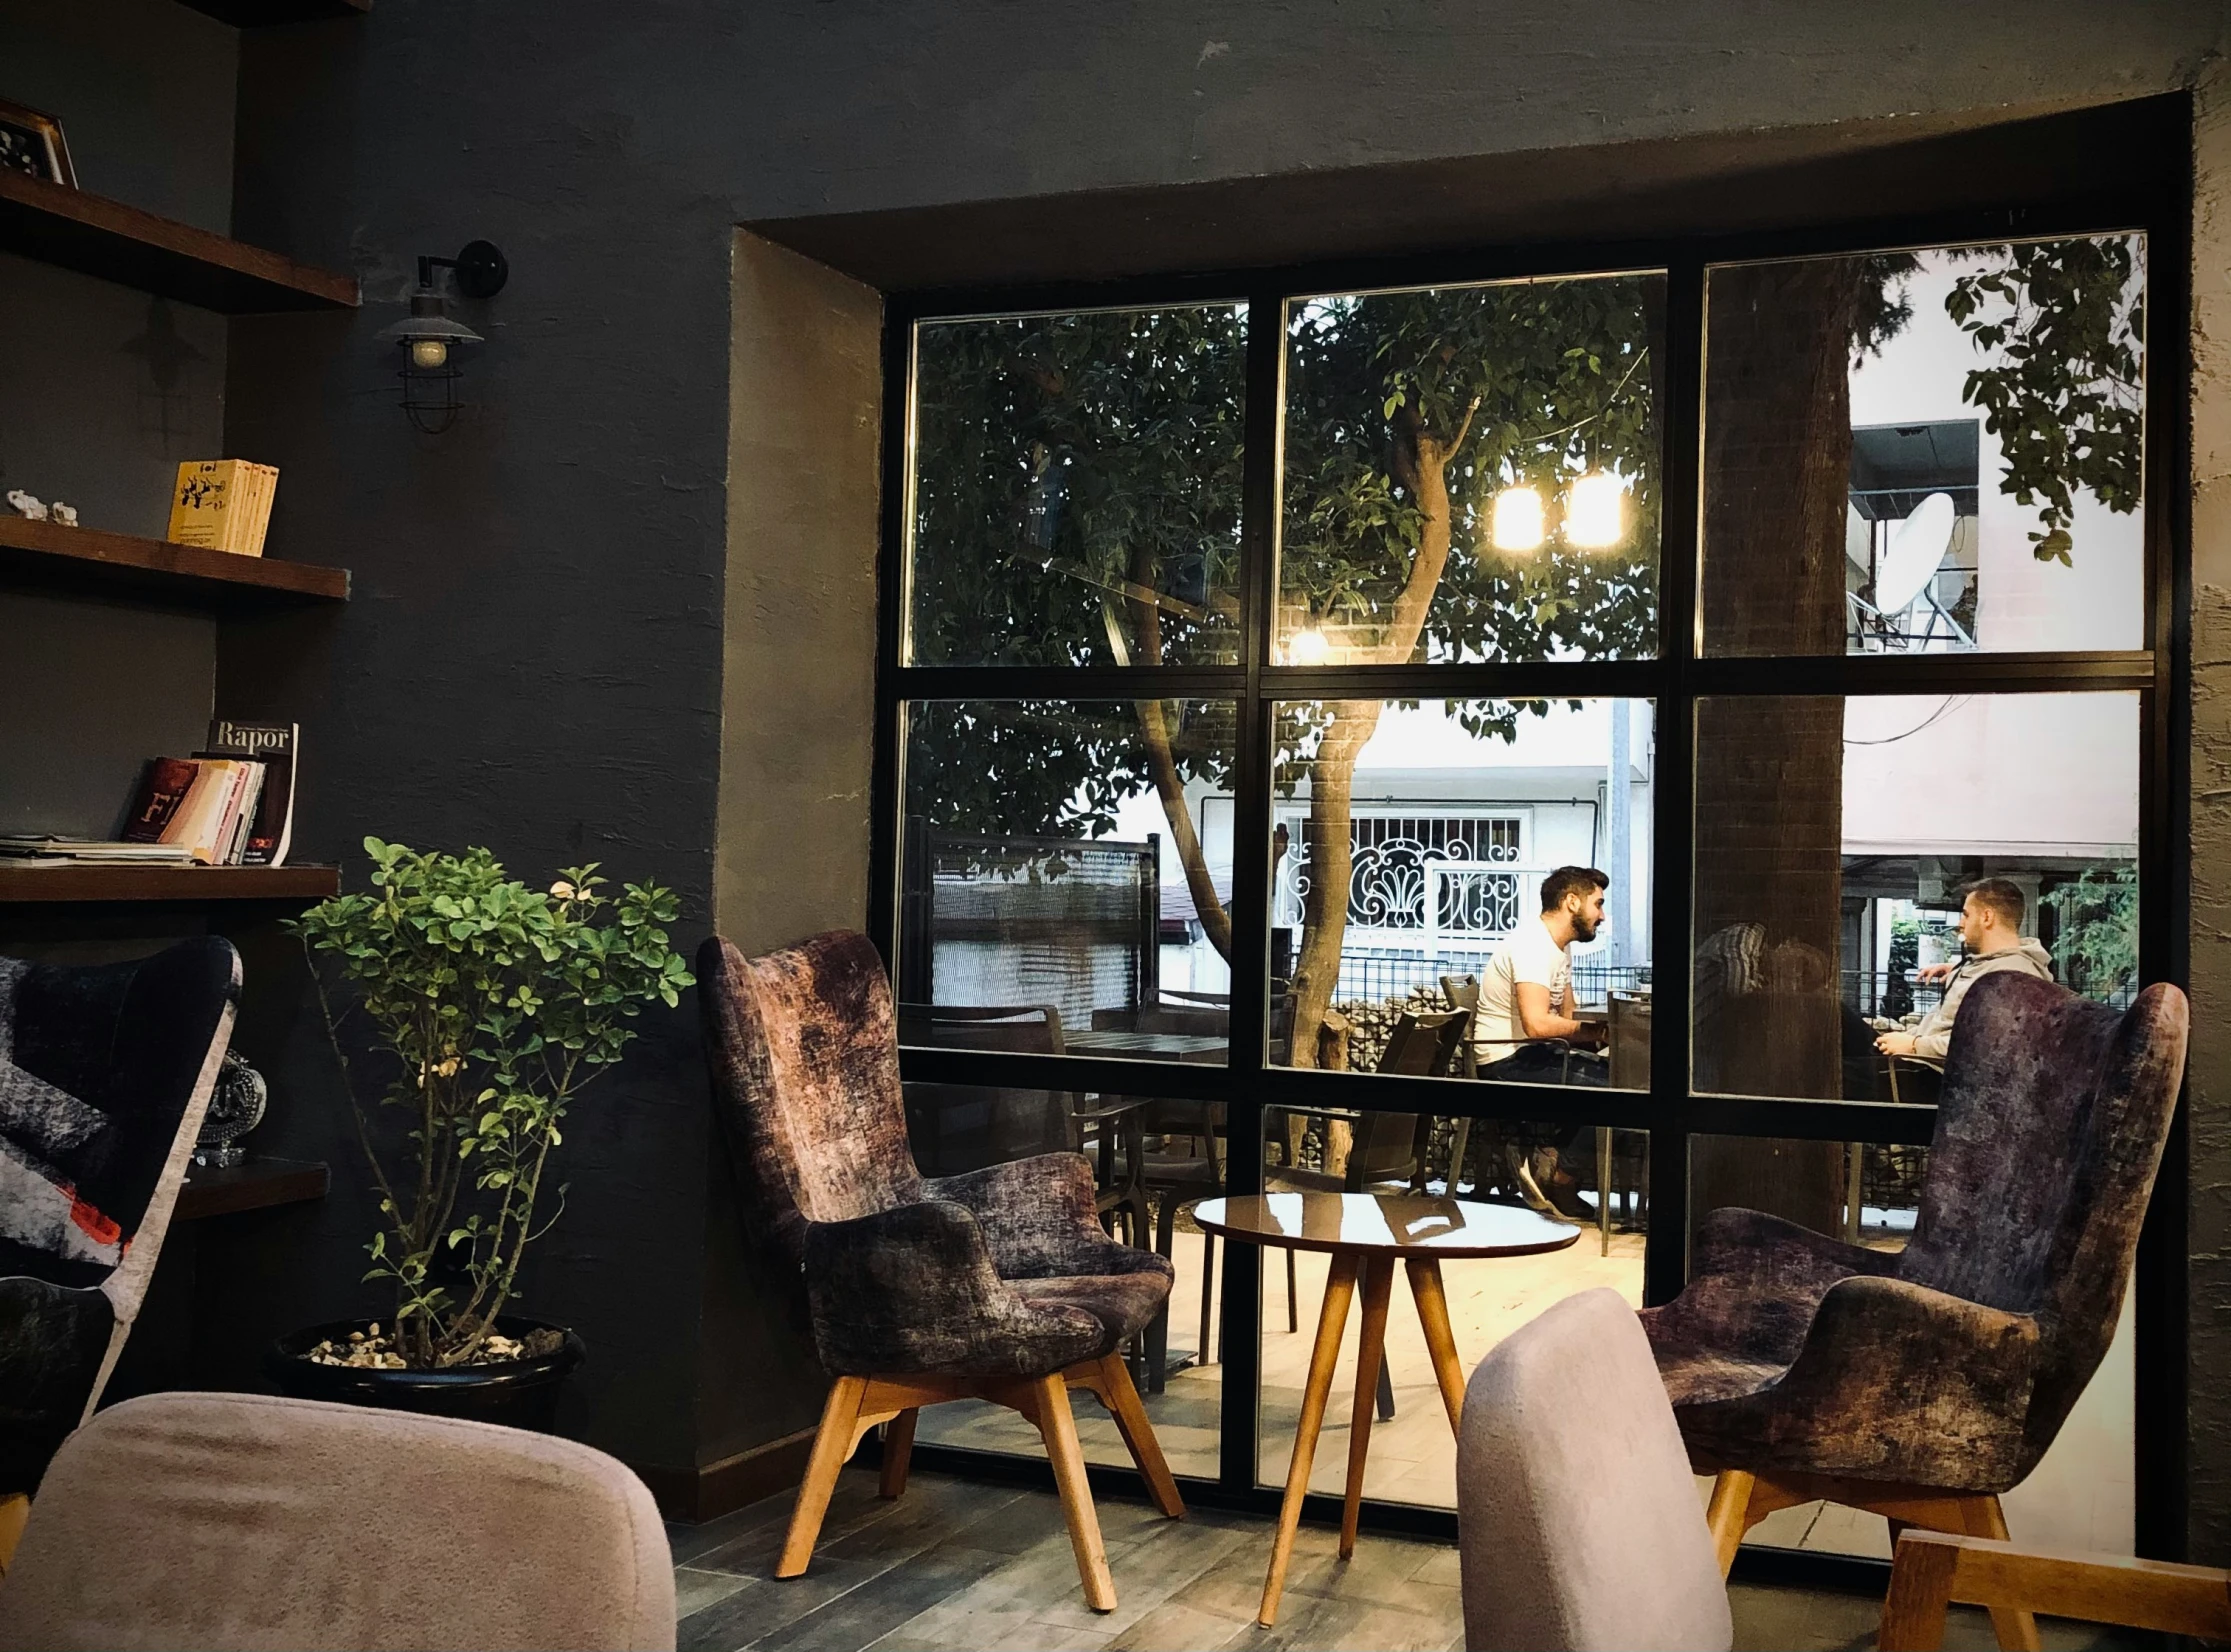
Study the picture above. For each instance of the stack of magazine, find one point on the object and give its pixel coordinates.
(48, 849)
(229, 805)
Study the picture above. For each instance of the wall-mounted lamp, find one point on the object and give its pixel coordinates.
(430, 339)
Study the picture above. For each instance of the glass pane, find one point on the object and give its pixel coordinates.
(2081, 1496)
(1471, 473)
(1323, 1152)
(1860, 862)
(1076, 488)
(1437, 905)
(1928, 452)
(1057, 893)
(1147, 1157)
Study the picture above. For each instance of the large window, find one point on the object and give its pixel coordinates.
(1268, 667)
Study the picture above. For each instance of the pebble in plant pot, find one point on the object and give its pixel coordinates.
(489, 1006)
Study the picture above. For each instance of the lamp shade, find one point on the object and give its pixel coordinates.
(427, 323)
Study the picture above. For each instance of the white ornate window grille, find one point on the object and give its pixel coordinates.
(1392, 861)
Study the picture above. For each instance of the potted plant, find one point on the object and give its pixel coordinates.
(489, 1005)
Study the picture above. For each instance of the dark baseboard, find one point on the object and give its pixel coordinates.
(694, 1495)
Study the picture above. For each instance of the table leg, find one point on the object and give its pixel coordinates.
(1440, 1341)
(1378, 1286)
(1332, 1319)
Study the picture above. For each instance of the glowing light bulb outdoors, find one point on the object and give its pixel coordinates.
(1596, 512)
(1517, 523)
(429, 353)
(1307, 647)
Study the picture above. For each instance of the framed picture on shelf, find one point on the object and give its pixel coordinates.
(32, 143)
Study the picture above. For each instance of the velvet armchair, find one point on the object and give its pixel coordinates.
(1923, 1383)
(998, 1284)
(105, 1073)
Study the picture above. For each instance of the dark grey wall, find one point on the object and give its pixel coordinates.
(145, 91)
(107, 390)
(534, 658)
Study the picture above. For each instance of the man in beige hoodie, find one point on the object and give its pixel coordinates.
(1991, 930)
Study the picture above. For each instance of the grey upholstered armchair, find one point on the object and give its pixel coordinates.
(1922, 1384)
(105, 1073)
(998, 1284)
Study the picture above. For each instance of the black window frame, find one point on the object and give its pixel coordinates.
(1681, 674)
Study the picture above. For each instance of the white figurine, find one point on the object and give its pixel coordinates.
(26, 506)
(62, 515)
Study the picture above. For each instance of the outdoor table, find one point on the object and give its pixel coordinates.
(1366, 1233)
(1153, 1046)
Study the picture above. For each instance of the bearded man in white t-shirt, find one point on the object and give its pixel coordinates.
(1527, 994)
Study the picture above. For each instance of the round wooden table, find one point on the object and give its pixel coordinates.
(1366, 1233)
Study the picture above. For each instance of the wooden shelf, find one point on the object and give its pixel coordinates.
(45, 554)
(252, 1184)
(250, 14)
(97, 236)
(189, 884)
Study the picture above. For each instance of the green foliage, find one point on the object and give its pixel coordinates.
(1545, 381)
(2097, 947)
(1065, 463)
(1049, 768)
(2063, 326)
(1077, 495)
(493, 1004)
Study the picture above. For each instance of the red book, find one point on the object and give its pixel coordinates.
(162, 789)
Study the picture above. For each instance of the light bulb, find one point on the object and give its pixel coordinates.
(1307, 647)
(1596, 512)
(1517, 524)
(429, 353)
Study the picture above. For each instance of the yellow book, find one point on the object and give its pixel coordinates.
(222, 505)
(203, 502)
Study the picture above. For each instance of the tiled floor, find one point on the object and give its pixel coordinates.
(957, 1566)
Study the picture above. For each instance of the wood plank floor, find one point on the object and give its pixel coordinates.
(955, 1566)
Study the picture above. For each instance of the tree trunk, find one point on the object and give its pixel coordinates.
(1420, 464)
(1769, 783)
(1331, 865)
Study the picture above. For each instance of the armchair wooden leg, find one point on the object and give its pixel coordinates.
(832, 1444)
(1058, 1426)
(1727, 1512)
(14, 1512)
(2016, 1629)
(1111, 1380)
(1913, 1613)
(898, 1451)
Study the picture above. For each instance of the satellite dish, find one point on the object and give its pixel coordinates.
(1916, 550)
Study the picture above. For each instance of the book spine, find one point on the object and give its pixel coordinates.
(244, 814)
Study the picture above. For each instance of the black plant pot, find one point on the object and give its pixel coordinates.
(521, 1393)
